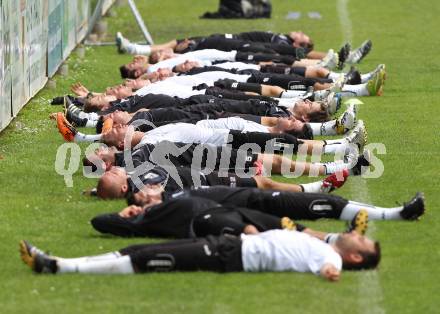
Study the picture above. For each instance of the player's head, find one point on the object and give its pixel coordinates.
(116, 136)
(147, 196)
(113, 184)
(301, 40)
(103, 158)
(164, 73)
(133, 70)
(293, 126)
(163, 54)
(183, 45)
(357, 251)
(98, 103)
(311, 111)
(120, 91)
(119, 117)
(186, 66)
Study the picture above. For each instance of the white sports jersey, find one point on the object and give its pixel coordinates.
(238, 66)
(170, 88)
(284, 250)
(185, 133)
(204, 57)
(233, 123)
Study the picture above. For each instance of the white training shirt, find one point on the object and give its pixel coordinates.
(185, 133)
(238, 65)
(205, 57)
(285, 250)
(233, 123)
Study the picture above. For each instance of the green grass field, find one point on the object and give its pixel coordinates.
(36, 205)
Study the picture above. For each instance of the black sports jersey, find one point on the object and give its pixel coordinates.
(186, 217)
(196, 156)
(174, 179)
(264, 37)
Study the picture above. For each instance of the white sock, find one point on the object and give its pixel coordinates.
(374, 212)
(88, 115)
(81, 137)
(334, 146)
(334, 76)
(82, 259)
(110, 265)
(334, 166)
(292, 93)
(367, 76)
(313, 187)
(91, 123)
(326, 128)
(359, 90)
(136, 49)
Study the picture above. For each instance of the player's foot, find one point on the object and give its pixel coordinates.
(122, 43)
(36, 259)
(330, 61)
(359, 223)
(347, 120)
(337, 85)
(287, 223)
(321, 95)
(358, 135)
(362, 163)
(333, 101)
(367, 76)
(65, 128)
(358, 54)
(376, 83)
(353, 77)
(334, 181)
(414, 208)
(343, 54)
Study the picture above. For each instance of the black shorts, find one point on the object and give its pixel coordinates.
(230, 179)
(283, 69)
(289, 82)
(220, 254)
(271, 143)
(200, 156)
(310, 206)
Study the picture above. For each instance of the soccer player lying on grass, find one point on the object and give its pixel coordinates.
(293, 39)
(208, 113)
(290, 250)
(352, 77)
(141, 65)
(230, 101)
(175, 173)
(280, 203)
(199, 84)
(201, 157)
(215, 209)
(206, 132)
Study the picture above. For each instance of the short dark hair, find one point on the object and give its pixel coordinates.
(306, 133)
(370, 260)
(126, 72)
(154, 58)
(319, 116)
(88, 107)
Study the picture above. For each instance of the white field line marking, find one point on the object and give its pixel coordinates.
(370, 294)
(344, 20)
